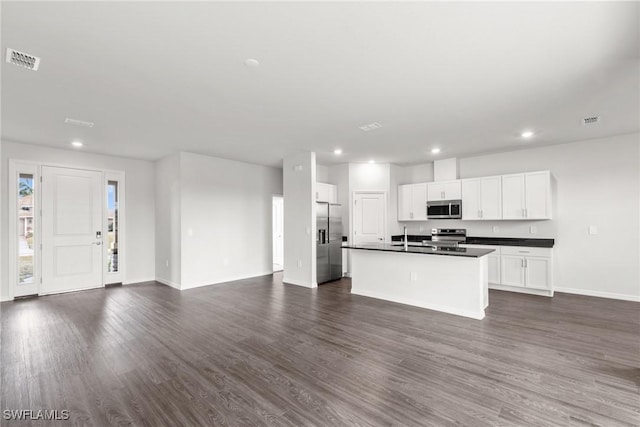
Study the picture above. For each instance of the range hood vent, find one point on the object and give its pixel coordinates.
(23, 60)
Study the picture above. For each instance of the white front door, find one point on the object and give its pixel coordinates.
(278, 227)
(368, 217)
(71, 229)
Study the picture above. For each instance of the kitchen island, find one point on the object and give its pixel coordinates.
(448, 279)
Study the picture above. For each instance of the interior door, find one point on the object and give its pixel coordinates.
(71, 229)
(368, 217)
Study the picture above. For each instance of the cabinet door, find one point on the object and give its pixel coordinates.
(404, 202)
(494, 269)
(419, 202)
(490, 198)
(322, 192)
(537, 191)
(435, 191)
(513, 196)
(452, 190)
(538, 272)
(333, 193)
(512, 270)
(471, 199)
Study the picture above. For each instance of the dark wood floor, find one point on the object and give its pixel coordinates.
(257, 352)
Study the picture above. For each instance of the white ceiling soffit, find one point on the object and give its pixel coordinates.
(156, 77)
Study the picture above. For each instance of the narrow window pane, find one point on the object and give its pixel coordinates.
(112, 226)
(26, 230)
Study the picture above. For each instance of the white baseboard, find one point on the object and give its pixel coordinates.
(225, 280)
(168, 283)
(478, 315)
(599, 294)
(5, 298)
(299, 283)
(136, 281)
(539, 292)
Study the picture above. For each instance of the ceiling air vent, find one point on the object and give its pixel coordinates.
(590, 120)
(371, 126)
(77, 122)
(22, 59)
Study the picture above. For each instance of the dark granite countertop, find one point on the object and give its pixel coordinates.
(495, 241)
(427, 250)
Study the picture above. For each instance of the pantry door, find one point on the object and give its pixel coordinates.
(72, 228)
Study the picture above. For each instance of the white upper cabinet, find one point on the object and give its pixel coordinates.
(412, 202)
(482, 198)
(526, 195)
(326, 193)
(444, 190)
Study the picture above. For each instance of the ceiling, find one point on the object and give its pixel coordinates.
(161, 77)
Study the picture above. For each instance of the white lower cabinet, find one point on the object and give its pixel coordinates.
(519, 267)
(526, 267)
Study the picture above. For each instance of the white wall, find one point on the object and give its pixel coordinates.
(226, 209)
(299, 173)
(596, 182)
(322, 174)
(168, 220)
(140, 201)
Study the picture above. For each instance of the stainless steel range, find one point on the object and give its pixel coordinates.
(449, 237)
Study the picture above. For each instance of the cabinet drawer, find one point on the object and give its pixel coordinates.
(525, 251)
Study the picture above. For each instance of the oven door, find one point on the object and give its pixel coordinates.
(439, 209)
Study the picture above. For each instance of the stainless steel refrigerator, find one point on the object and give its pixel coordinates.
(328, 242)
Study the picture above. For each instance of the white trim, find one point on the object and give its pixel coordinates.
(299, 283)
(5, 299)
(530, 291)
(70, 290)
(599, 294)
(225, 280)
(168, 283)
(138, 281)
(478, 315)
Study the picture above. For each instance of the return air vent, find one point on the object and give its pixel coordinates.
(590, 120)
(23, 60)
(77, 122)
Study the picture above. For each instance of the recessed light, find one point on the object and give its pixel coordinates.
(77, 144)
(337, 151)
(526, 134)
(371, 162)
(435, 150)
(253, 63)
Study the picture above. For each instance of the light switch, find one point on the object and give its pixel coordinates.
(593, 230)
(226, 261)
(307, 230)
(496, 229)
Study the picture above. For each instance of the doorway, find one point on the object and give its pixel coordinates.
(369, 217)
(278, 233)
(65, 228)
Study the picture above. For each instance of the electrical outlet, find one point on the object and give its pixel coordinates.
(496, 229)
(593, 230)
(414, 276)
(533, 229)
(299, 263)
(307, 230)
(166, 262)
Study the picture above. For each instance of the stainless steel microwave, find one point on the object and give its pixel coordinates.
(444, 209)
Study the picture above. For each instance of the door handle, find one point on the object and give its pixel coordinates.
(97, 243)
